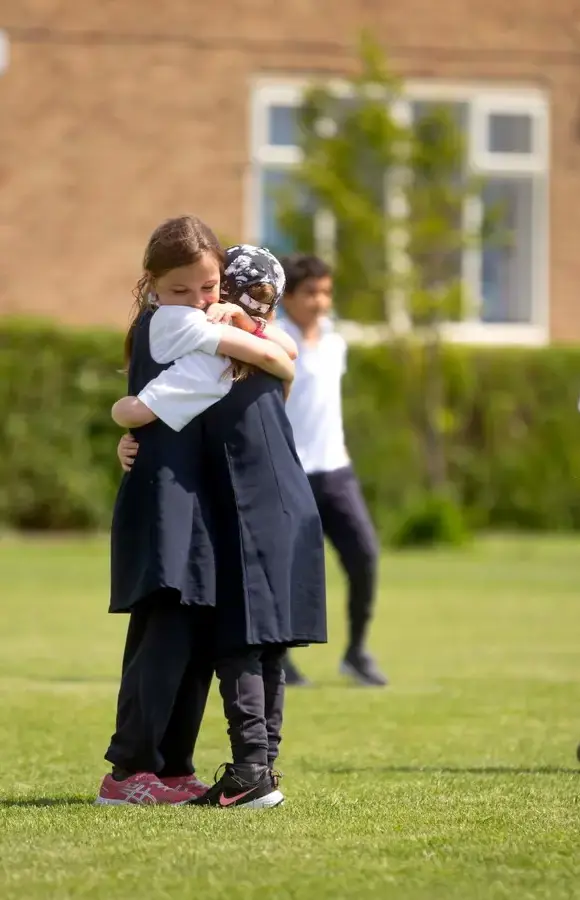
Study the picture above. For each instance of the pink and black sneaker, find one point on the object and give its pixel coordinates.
(249, 786)
(190, 784)
(142, 789)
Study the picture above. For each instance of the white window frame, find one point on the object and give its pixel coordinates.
(489, 162)
(4, 51)
(482, 100)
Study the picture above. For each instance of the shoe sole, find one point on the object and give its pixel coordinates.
(349, 671)
(270, 801)
(102, 801)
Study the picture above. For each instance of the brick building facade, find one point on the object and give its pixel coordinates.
(114, 115)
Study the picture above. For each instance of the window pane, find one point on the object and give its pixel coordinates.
(273, 181)
(458, 111)
(507, 266)
(438, 194)
(283, 126)
(510, 133)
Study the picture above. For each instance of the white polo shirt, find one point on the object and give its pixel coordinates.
(315, 403)
(197, 378)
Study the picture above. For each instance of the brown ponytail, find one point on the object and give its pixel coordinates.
(141, 293)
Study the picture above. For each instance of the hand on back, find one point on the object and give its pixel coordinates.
(127, 450)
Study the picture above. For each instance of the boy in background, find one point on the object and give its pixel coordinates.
(315, 412)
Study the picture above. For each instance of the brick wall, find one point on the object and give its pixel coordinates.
(113, 116)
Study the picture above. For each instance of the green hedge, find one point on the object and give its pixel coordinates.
(512, 433)
(57, 440)
(511, 427)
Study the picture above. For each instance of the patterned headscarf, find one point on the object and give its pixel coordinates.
(247, 265)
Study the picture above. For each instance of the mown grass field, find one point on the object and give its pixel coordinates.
(459, 781)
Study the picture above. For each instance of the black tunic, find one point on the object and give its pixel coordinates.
(222, 512)
(268, 541)
(161, 533)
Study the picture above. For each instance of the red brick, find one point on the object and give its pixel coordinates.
(123, 113)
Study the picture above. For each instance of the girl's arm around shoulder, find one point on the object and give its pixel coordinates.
(244, 322)
(260, 352)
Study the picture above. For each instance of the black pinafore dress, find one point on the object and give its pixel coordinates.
(161, 535)
(268, 541)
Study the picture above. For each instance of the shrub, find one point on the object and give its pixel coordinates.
(511, 427)
(431, 520)
(56, 438)
(512, 434)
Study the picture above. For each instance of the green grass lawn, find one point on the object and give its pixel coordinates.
(459, 781)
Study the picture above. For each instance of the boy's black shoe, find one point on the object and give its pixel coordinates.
(360, 665)
(578, 752)
(251, 786)
(294, 677)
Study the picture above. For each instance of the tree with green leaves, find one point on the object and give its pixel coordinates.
(383, 197)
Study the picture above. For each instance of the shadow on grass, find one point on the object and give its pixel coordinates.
(32, 802)
(455, 770)
(40, 680)
(82, 679)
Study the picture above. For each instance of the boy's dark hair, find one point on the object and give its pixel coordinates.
(300, 266)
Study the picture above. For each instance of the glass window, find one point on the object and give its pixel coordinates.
(282, 126)
(270, 234)
(510, 133)
(503, 136)
(458, 111)
(273, 182)
(440, 263)
(507, 264)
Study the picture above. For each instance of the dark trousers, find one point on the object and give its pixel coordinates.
(166, 676)
(347, 525)
(252, 689)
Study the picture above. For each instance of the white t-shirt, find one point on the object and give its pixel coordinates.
(196, 380)
(315, 403)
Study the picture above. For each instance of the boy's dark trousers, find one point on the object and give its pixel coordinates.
(167, 672)
(252, 689)
(347, 524)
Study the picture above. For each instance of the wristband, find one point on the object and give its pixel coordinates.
(260, 327)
